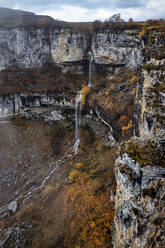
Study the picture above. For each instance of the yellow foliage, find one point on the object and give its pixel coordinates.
(73, 175)
(124, 128)
(57, 186)
(133, 91)
(107, 93)
(133, 79)
(143, 31)
(93, 212)
(79, 165)
(84, 91)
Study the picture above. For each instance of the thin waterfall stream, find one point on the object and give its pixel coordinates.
(78, 107)
(90, 68)
(77, 121)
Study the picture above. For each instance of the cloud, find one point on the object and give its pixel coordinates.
(89, 4)
(153, 10)
(89, 10)
(69, 13)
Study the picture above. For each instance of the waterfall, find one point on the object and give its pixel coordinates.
(90, 68)
(77, 121)
(78, 107)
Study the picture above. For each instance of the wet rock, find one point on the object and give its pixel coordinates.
(12, 206)
(56, 115)
(138, 204)
(14, 237)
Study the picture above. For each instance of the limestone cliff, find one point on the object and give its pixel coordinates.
(37, 44)
(140, 168)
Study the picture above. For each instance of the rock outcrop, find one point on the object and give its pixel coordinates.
(140, 168)
(121, 48)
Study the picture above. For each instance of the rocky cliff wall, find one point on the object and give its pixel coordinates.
(122, 48)
(140, 168)
(19, 103)
(33, 45)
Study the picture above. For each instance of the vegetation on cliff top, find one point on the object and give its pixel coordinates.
(146, 152)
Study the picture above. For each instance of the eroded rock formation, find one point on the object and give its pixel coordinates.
(140, 168)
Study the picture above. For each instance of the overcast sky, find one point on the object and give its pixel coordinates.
(89, 10)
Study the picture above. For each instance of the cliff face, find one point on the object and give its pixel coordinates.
(33, 47)
(123, 48)
(140, 168)
(32, 44)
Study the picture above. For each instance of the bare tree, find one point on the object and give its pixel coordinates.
(130, 19)
(115, 18)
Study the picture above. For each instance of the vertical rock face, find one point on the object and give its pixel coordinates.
(10, 105)
(121, 48)
(33, 47)
(28, 40)
(14, 104)
(152, 119)
(140, 218)
(140, 168)
(67, 46)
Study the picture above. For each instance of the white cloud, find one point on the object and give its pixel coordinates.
(154, 9)
(70, 13)
(16, 6)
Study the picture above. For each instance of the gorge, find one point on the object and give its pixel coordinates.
(108, 189)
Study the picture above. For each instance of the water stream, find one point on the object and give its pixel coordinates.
(77, 121)
(78, 107)
(90, 68)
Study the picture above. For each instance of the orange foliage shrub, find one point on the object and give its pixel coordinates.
(124, 128)
(133, 91)
(133, 79)
(107, 93)
(84, 91)
(79, 165)
(143, 31)
(73, 175)
(91, 214)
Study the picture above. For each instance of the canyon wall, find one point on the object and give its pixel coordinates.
(36, 46)
(31, 44)
(140, 167)
(29, 47)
